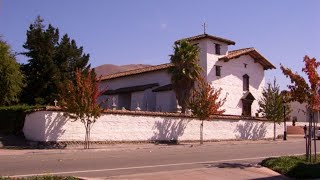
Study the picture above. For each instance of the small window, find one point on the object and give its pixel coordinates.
(245, 82)
(217, 47)
(218, 70)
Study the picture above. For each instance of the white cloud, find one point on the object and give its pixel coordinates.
(163, 26)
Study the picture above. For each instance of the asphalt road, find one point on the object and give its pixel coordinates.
(145, 159)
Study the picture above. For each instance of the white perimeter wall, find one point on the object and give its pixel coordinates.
(53, 126)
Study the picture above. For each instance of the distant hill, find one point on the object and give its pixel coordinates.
(111, 68)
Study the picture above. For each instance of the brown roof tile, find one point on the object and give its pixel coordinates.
(202, 36)
(253, 53)
(137, 71)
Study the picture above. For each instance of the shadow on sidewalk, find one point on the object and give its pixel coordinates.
(12, 141)
(232, 165)
(278, 177)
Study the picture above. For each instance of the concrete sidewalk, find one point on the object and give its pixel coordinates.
(230, 171)
(135, 146)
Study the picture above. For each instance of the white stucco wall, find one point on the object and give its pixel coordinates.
(231, 82)
(53, 126)
(299, 110)
(161, 77)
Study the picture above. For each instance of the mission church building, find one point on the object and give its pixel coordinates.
(240, 74)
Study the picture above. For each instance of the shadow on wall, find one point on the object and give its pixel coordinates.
(54, 126)
(169, 130)
(251, 130)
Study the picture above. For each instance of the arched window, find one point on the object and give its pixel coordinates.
(245, 82)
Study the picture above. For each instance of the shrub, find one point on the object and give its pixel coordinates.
(294, 166)
(12, 118)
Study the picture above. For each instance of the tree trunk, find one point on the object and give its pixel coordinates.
(87, 136)
(274, 130)
(201, 132)
(309, 138)
(315, 139)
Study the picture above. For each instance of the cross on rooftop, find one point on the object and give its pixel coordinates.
(204, 27)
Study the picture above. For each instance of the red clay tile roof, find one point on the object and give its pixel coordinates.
(202, 36)
(253, 53)
(137, 71)
(231, 55)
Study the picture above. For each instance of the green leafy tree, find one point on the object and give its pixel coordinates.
(69, 57)
(51, 62)
(205, 101)
(79, 99)
(185, 72)
(11, 78)
(272, 105)
(40, 71)
(306, 92)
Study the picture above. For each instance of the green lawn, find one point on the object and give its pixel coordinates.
(294, 166)
(42, 178)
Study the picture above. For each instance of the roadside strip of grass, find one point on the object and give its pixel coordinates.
(294, 166)
(42, 178)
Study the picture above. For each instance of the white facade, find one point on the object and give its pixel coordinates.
(54, 126)
(230, 80)
(299, 112)
(146, 99)
(166, 101)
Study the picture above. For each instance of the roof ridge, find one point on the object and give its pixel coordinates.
(136, 71)
(243, 49)
(200, 36)
(252, 52)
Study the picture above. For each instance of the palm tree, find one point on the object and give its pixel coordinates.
(185, 71)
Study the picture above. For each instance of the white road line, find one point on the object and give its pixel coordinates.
(151, 166)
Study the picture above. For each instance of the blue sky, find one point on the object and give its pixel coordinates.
(136, 31)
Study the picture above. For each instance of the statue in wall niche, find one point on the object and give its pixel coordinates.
(189, 112)
(178, 109)
(114, 105)
(138, 107)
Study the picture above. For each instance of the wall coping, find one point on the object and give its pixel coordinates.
(162, 114)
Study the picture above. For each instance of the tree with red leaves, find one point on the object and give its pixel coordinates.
(79, 99)
(304, 92)
(205, 101)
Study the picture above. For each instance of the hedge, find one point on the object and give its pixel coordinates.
(12, 118)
